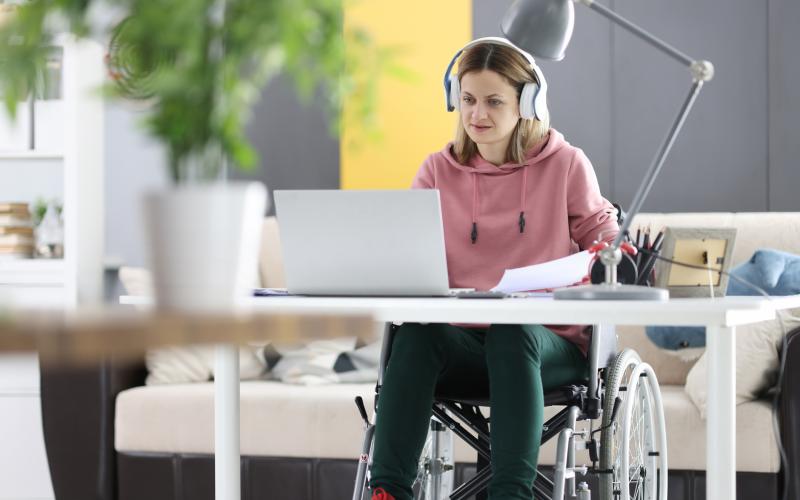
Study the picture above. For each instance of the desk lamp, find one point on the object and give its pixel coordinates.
(544, 28)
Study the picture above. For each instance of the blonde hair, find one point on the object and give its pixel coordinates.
(512, 66)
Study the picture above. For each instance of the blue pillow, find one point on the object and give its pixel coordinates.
(776, 272)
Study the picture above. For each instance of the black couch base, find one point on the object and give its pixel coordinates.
(162, 476)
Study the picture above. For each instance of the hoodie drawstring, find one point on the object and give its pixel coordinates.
(523, 192)
(522, 199)
(474, 234)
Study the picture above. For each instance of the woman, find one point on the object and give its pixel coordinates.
(513, 193)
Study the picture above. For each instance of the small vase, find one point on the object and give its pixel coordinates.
(50, 234)
(203, 244)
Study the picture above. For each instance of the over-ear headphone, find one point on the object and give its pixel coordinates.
(532, 100)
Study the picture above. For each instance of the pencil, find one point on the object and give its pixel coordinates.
(651, 259)
(657, 241)
(638, 244)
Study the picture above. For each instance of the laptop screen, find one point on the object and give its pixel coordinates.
(338, 242)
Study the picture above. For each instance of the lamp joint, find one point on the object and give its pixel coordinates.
(702, 71)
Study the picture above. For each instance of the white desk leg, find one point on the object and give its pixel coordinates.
(226, 424)
(721, 413)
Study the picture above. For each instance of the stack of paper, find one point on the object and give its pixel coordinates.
(547, 275)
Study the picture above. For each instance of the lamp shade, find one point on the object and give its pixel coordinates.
(542, 28)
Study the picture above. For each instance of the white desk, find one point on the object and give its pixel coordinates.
(720, 316)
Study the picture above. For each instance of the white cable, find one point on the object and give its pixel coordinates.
(710, 284)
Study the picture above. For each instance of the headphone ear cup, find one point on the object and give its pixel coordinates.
(455, 93)
(527, 108)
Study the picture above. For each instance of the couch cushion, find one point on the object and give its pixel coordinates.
(686, 435)
(276, 419)
(321, 421)
(757, 361)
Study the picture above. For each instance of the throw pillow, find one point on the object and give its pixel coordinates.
(778, 273)
(195, 363)
(757, 349)
(345, 360)
(180, 365)
(774, 271)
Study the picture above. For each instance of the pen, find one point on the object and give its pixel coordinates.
(651, 259)
(657, 241)
(638, 244)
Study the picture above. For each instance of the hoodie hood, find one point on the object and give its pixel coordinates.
(553, 143)
(477, 165)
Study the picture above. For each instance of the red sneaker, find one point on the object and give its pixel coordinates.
(380, 494)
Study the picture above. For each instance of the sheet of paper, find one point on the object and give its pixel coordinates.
(547, 275)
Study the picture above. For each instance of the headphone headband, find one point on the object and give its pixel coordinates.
(533, 100)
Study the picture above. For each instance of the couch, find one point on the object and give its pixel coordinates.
(110, 437)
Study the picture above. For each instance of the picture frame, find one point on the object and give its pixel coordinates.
(700, 246)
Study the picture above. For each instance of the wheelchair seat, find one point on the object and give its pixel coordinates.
(562, 396)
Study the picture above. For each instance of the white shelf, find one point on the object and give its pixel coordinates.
(32, 272)
(31, 155)
(72, 173)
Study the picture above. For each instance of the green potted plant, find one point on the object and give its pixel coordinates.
(200, 64)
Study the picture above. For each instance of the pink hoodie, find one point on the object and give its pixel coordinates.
(514, 215)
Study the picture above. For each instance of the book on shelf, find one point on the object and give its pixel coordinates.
(13, 240)
(21, 251)
(17, 240)
(21, 230)
(14, 207)
(18, 210)
(15, 221)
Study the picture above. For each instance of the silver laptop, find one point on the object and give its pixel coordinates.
(388, 243)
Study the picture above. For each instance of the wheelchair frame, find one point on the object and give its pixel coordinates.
(464, 417)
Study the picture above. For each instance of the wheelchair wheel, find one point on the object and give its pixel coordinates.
(435, 471)
(633, 448)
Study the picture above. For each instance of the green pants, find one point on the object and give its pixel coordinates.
(514, 364)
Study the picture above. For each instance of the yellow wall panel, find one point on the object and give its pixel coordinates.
(411, 114)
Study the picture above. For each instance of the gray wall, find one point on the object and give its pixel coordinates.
(292, 138)
(135, 164)
(296, 149)
(615, 96)
(784, 105)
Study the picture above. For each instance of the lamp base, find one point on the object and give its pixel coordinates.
(616, 291)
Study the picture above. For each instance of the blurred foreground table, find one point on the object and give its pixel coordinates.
(90, 336)
(87, 336)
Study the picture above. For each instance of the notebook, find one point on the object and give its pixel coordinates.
(362, 243)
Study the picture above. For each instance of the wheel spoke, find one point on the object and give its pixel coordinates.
(643, 433)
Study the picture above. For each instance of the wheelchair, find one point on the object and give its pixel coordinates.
(620, 401)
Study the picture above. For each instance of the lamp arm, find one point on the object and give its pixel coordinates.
(702, 71)
(658, 161)
(636, 30)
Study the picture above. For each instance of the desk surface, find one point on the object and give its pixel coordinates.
(726, 311)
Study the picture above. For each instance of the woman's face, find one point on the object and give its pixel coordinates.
(489, 107)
